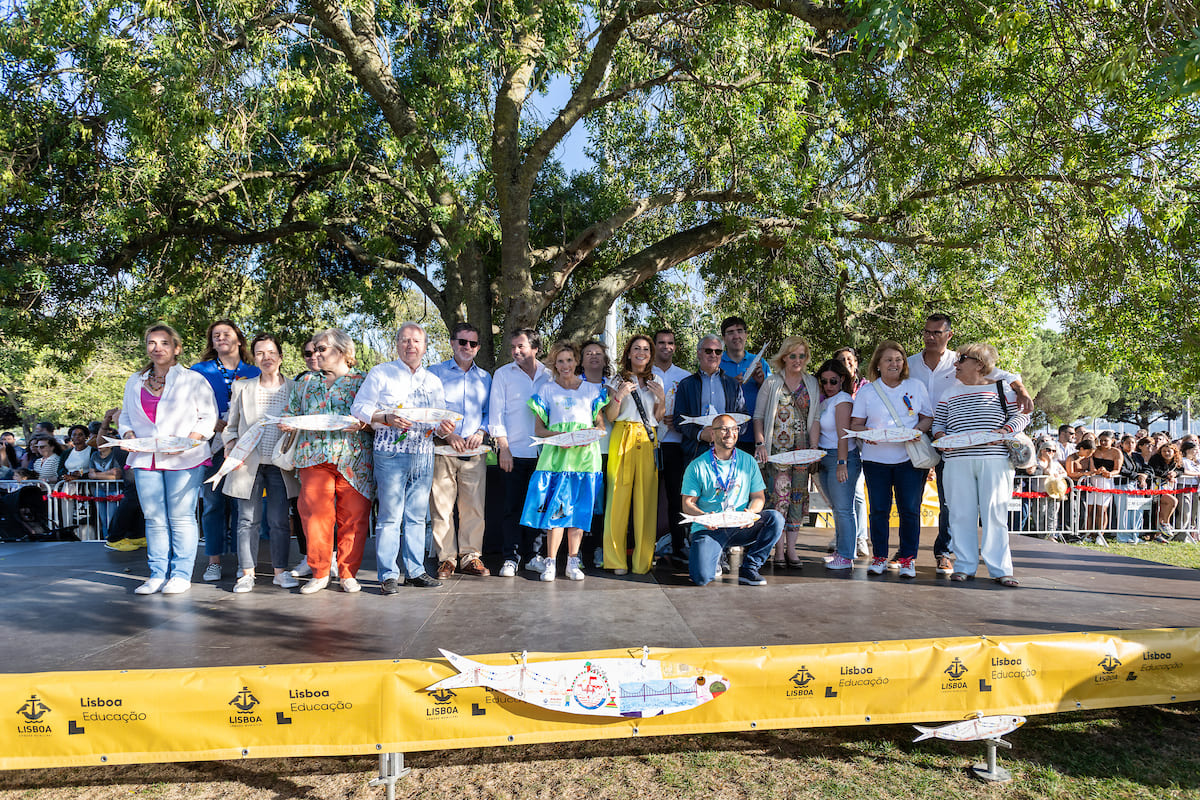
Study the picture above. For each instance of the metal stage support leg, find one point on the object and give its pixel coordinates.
(990, 772)
(391, 769)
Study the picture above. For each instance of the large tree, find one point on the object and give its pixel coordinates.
(324, 148)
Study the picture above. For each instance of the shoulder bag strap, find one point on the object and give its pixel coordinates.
(637, 401)
(888, 403)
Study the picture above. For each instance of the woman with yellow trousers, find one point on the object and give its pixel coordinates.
(632, 476)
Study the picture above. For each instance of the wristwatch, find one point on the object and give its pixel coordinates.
(841, 462)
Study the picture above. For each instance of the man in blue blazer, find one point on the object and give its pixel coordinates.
(706, 387)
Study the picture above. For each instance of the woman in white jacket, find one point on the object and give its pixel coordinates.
(266, 395)
(165, 399)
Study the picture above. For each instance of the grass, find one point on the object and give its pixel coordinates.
(1176, 553)
(1147, 752)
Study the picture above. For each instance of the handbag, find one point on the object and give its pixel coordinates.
(650, 431)
(921, 452)
(284, 455)
(1022, 453)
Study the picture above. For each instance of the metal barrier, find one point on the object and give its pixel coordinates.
(87, 506)
(1034, 510)
(1128, 514)
(21, 516)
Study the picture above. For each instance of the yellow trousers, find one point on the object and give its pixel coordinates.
(631, 478)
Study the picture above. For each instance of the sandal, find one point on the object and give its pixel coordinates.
(958, 577)
(794, 564)
(1009, 581)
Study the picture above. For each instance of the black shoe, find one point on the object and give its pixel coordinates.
(389, 587)
(423, 581)
(749, 576)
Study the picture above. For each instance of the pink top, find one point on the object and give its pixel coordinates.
(150, 403)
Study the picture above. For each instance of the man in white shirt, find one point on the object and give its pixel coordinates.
(673, 464)
(459, 481)
(934, 367)
(403, 457)
(512, 428)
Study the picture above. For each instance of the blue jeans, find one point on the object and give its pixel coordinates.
(250, 516)
(168, 499)
(214, 519)
(403, 482)
(759, 540)
(841, 498)
(908, 484)
(1129, 523)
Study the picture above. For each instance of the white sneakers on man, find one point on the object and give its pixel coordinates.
(150, 587)
(176, 585)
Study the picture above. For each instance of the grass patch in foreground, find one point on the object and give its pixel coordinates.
(1148, 752)
(1180, 554)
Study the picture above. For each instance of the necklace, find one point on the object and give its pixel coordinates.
(156, 382)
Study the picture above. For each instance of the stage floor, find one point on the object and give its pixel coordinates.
(70, 606)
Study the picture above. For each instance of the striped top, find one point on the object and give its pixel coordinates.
(963, 409)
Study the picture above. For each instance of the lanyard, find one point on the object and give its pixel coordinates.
(723, 484)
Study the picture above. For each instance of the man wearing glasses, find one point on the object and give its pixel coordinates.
(706, 391)
(727, 479)
(934, 367)
(460, 480)
(735, 363)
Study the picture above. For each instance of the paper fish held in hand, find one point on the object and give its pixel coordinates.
(885, 435)
(571, 438)
(971, 439)
(317, 422)
(722, 519)
(707, 420)
(598, 687)
(748, 375)
(162, 445)
(797, 458)
(447, 450)
(971, 730)
(238, 453)
(425, 416)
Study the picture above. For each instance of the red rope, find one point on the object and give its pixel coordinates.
(1138, 492)
(83, 498)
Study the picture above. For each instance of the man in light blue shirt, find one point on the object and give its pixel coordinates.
(735, 362)
(459, 481)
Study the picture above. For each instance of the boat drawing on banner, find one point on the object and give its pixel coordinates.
(594, 687)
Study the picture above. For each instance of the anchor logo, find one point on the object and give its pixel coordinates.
(1109, 664)
(802, 677)
(244, 701)
(442, 696)
(956, 669)
(33, 709)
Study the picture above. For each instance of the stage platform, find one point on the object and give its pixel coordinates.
(70, 606)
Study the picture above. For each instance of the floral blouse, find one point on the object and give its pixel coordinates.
(349, 452)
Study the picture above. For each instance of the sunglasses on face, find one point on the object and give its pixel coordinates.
(466, 343)
(963, 360)
(831, 381)
(308, 353)
(712, 351)
(321, 348)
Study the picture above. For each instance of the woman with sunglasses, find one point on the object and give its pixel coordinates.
(165, 399)
(979, 478)
(841, 468)
(784, 415)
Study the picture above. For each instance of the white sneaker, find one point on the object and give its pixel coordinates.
(285, 580)
(537, 564)
(150, 587)
(212, 573)
(508, 569)
(177, 585)
(574, 569)
(315, 585)
(350, 585)
(549, 568)
(244, 584)
(302, 570)
(907, 567)
(878, 566)
(864, 550)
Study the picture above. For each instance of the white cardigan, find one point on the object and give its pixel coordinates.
(187, 406)
(768, 402)
(243, 413)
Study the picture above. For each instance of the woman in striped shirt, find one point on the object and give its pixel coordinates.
(978, 479)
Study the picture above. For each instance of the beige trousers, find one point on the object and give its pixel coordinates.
(458, 482)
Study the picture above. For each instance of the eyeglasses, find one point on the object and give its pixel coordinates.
(726, 429)
(321, 348)
(962, 359)
(712, 351)
(308, 353)
(466, 343)
(831, 381)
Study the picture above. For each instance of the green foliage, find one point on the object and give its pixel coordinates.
(1062, 391)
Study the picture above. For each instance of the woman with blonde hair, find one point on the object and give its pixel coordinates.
(636, 407)
(785, 414)
(336, 480)
(166, 399)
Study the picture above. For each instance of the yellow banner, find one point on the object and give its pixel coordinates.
(136, 716)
